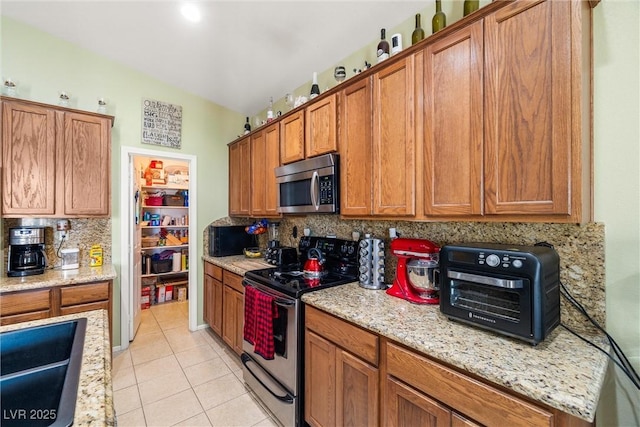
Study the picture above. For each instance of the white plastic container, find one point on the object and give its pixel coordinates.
(70, 258)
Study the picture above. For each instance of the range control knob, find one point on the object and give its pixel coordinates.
(493, 260)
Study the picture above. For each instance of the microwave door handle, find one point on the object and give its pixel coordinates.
(315, 190)
(484, 280)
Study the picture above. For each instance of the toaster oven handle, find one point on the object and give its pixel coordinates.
(315, 190)
(484, 280)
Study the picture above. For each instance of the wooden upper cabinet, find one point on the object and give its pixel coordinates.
(320, 127)
(265, 157)
(57, 161)
(354, 144)
(240, 177)
(28, 159)
(453, 123)
(87, 165)
(394, 149)
(528, 107)
(292, 138)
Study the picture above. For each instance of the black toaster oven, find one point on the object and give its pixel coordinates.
(510, 289)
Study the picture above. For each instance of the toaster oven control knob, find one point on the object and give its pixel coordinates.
(517, 263)
(493, 260)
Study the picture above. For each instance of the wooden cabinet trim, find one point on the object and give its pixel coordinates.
(84, 293)
(350, 337)
(481, 402)
(24, 302)
(213, 270)
(233, 280)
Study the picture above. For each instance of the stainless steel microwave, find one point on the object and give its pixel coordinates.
(309, 186)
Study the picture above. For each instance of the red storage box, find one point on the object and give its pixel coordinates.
(153, 201)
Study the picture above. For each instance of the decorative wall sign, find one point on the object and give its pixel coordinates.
(161, 123)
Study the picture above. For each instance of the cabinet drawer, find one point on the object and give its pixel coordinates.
(25, 317)
(213, 271)
(350, 337)
(81, 294)
(233, 281)
(81, 308)
(24, 302)
(479, 401)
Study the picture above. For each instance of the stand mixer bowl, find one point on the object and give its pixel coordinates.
(422, 275)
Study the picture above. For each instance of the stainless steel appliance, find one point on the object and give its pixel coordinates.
(511, 289)
(225, 240)
(26, 252)
(279, 382)
(309, 186)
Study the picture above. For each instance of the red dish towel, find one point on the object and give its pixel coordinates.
(249, 328)
(259, 312)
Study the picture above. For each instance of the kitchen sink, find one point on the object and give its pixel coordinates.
(39, 373)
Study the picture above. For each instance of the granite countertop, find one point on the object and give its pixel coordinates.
(94, 404)
(58, 277)
(238, 264)
(562, 371)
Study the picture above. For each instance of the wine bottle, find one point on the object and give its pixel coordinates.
(270, 110)
(470, 6)
(315, 89)
(418, 33)
(439, 20)
(247, 127)
(383, 47)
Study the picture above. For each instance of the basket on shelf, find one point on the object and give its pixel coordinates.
(174, 200)
(151, 241)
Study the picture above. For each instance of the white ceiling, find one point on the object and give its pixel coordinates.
(239, 54)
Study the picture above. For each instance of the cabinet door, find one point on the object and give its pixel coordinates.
(393, 140)
(292, 138)
(272, 161)
(528, 62)
(240, 178)
(87, 165)
(229, 316)
(257, 171)
(320, 381)
(239, 322)
(355, 149)
(320, 127)
(28, 159)
(405, 406)
(453, 124)
(458, 420)
(357, 391)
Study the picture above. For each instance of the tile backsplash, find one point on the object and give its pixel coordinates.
(580, 247)
(83, 234)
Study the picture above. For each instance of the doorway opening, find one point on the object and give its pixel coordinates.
(158, 233)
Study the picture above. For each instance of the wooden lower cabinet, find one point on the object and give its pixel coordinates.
(212, 304)
(354, 377)
(22, 306)
(340, 387)
(233, 310)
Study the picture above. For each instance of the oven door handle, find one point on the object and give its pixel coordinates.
(484, 280)
(287, 398)
(278, 301)
(315, 190)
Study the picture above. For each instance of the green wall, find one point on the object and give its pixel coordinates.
(43, 65)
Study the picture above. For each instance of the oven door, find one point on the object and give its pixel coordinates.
(500, 303)
(283, 367)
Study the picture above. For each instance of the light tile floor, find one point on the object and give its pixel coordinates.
(170, 376)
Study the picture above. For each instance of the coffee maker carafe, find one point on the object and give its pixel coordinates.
(26, 252)
(417, 271)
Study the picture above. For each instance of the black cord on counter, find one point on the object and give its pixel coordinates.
(60, 245)
(623, 363)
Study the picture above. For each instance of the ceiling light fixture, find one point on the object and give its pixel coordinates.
(190, 12)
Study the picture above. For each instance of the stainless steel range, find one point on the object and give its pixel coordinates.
(279, 381)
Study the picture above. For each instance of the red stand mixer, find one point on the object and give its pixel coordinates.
(416, 271)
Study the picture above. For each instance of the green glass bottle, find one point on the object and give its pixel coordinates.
(470, 6)
(418, 33)
(439, 20)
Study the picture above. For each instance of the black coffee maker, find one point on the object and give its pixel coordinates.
(26, 251)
